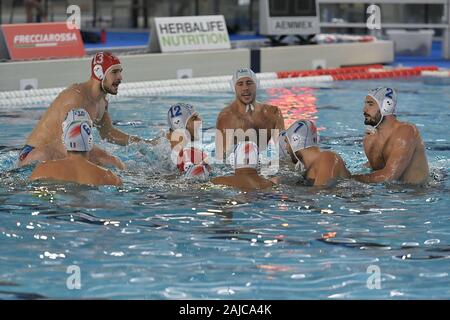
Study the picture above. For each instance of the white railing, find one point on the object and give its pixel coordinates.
(12, 99)
(386, 1)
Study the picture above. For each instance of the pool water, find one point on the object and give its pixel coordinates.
(162, 237)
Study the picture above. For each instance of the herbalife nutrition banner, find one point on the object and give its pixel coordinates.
(189, 34)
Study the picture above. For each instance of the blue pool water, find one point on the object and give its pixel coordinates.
(159, 237)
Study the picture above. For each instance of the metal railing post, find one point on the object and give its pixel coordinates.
(446, 40)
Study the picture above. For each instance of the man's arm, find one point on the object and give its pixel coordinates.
(279, 119)
(100, 176)
(322, 178)
(402, 151)
(102, 158)
(367, 163)
(112, 134)
(110, 179)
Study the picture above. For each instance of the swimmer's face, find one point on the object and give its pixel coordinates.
(372, 114)
(193, 126)
(112, 80)
(245, 90)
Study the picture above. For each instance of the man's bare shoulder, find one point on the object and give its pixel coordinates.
(404, 134)
(406, 129)
(271, 109)
(329, 155)
(228, 110)
(40, 171)
(267, 183)
(75, 92)
(100, 175)
(68, 98)
(330, 159)
(220, 180)
(54, 163)
(46, 169)
(225, 116)
(93, 168)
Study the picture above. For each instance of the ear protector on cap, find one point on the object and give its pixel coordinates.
(386, 99)
(101, 63)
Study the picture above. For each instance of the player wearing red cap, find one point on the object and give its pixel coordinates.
(44, 142)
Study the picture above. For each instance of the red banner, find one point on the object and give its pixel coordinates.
(42, 40)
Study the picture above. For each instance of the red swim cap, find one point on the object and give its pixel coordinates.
(102, 63)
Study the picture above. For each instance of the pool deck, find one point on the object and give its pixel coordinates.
(435, 58)
(140, 39)
(133, 39)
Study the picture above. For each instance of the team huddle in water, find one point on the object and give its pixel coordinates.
(62, 141)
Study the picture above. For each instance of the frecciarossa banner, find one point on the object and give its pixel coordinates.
(42, 40)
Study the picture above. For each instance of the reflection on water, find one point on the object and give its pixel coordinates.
(295, 103)
(161, 237)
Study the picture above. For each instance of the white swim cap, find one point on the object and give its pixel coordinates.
(245, 155)
(179, 115)
(77, 131)
(302, 134)
(386, 99)
(243, 73)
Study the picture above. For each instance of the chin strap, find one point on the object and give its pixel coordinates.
(249, 107)
(373, 129)
(381, 120)
(103, 88)
(299, 166)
